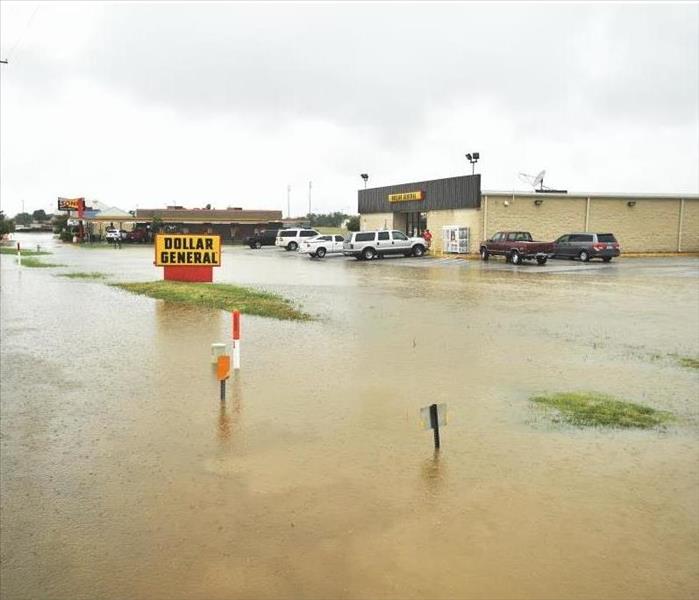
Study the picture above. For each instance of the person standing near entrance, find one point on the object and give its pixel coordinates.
(427, 236)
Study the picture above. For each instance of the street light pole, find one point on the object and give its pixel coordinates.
(288, 201)
(309, 199)
(473, 159)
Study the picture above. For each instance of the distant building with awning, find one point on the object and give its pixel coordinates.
(232, 224)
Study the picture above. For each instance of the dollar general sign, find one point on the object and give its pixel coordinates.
(187, 250)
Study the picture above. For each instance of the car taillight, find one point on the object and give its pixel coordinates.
(599, 246)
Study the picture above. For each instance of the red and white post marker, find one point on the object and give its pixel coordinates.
(236, 340)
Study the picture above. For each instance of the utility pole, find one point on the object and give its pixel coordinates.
(288, 201)
(309, 198)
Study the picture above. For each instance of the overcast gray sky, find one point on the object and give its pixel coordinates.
(146, 104)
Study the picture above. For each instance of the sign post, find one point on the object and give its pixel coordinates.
(433, 417)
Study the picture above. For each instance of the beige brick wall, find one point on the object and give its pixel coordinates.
(649, 226)
(376, 221)
(463, 217)
(548, 221)
(690, 226)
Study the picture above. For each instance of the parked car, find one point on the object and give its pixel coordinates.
(139, 236)
(321, 245)
(266, 237)
(365, 245)
(516, 246)
(113, 235)
(290, 239)
(585, 246)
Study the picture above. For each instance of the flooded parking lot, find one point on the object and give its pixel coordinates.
(124, 476)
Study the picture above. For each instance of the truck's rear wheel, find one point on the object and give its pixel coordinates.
(258, 245)
(584, 256)
(541, 260)
(515, 257)
(292, 246)
(320, 253)
(485, 255)
(368, 253)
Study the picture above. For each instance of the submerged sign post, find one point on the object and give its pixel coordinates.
(433, 417)
(187, 257)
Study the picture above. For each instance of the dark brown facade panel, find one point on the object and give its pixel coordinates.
(437, 194)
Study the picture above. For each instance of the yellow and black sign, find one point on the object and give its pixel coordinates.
(407, 197)
(187, 250)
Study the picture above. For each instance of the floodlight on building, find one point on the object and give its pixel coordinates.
(473, 159)
(365, 177)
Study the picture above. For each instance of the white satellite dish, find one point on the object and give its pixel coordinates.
(533, 180)
(539, 180)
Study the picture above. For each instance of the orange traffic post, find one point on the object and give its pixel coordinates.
(223, 372)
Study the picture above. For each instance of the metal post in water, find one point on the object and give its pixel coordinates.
(435, 424)
(19, 254)
(223, 371)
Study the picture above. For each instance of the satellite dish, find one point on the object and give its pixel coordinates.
(539, 180)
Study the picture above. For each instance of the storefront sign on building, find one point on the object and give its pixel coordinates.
(187, 257)
(406, 197)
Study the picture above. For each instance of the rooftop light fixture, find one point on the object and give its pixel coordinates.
(473, 159)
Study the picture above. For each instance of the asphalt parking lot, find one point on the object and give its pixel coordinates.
(315, 479)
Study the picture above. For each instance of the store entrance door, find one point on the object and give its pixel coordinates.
(415, 223)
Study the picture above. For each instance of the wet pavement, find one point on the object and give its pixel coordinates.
(123, 476)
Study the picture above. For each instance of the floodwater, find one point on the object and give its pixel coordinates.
(123, 476)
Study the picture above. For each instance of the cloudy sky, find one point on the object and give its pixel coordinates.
(146, 104)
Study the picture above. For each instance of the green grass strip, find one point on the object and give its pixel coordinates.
(221, 296)
(690, 363)
(36, 263)
(11, 250)
(83, 275)
(590, 409)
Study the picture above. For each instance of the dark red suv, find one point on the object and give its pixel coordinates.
(139, 236)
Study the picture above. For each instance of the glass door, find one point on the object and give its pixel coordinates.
(416, 223)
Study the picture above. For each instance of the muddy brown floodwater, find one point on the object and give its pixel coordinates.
(122, 476)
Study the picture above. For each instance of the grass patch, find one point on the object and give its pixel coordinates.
(690, 363)
(36, 263)
(84, 275)
(599, 410)
(101, 245)
(219, 295)
(13, 251)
